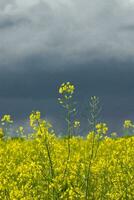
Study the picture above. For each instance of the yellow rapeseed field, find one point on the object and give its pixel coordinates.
(43, 166)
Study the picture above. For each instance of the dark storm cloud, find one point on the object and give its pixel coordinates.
(128, 28)
(6, 23)
(9, 22)
(65, 31)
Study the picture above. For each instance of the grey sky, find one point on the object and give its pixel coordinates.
(66, 30)
(46, 42)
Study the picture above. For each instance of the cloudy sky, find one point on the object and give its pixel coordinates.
(46, 42)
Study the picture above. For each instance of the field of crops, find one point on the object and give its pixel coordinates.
(48, 167)
(43, 166)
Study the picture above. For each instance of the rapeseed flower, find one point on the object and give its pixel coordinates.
(7, 119)
(66, 88)
(128, 124)
(76, 124)
(101, 128)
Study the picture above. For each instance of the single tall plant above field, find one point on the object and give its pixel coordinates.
(66, 92)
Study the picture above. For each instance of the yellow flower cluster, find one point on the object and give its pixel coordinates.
(66, 88)
(34, 117)
(39, 125)
(76, 124)
(6, 118)
(101, 128)
(128, 124)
